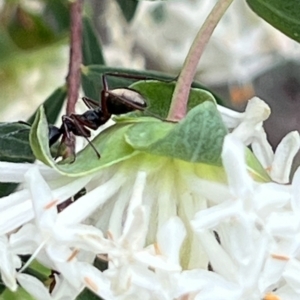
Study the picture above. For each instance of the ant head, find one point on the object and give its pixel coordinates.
(54, 134)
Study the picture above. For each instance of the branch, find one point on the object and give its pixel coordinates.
(181, 93)
(74, 77)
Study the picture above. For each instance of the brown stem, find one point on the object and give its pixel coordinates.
(181, 93)
(73, 78)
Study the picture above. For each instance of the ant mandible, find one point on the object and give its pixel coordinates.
(113, 102)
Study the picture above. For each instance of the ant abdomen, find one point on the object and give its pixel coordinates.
(118, 101)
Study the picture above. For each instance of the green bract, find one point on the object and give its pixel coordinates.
(198, 138)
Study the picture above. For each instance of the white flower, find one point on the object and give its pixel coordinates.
(8, 264)
(258, 231)
(248, 128)
(136, 215)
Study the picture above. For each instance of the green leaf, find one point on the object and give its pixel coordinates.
(128, 8)
(14, 143)
(39, 140)
(53, 105)
(14, 137)
(92, 83)
(159, 94)
(86, 294)
(282, 14)
(91, 49)
(110, 143)
(7, 188)
(198, 138)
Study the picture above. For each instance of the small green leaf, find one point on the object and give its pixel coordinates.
(110, 143)
(128, 8)
(158, 95)
(198, 138)
(255, 168)
(53, 105)
(282, 14)
(91, 49)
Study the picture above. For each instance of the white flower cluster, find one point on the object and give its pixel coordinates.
(241, 46)
(165, 232)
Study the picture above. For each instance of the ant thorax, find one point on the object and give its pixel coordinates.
(124, 100)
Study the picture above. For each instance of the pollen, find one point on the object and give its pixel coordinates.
(271, 296)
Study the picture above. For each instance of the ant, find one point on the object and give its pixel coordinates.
(113, 102)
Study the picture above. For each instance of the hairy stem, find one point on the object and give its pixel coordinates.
(181, 93)
(73, 78)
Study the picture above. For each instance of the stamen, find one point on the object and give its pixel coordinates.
(280, 257)
(73, 255)
(33, 256)
(51, 204)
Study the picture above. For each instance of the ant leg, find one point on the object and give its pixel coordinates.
(90, 103)
(79, 126)
(136, 76)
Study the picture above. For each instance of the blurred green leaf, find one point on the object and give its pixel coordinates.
(282, 14)
(53, 105)
(2, 288)
(128, 8)
(28, 30)
(57, 15)
(91, 49)
(92, 79)
(20, 294)
(7, 46)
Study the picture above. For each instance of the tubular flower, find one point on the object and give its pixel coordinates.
(167, 228)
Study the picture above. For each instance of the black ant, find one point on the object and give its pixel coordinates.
(113, 102)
